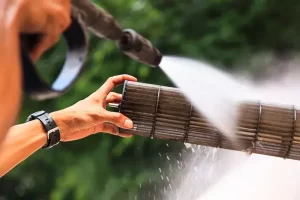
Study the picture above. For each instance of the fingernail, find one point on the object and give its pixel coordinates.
(128, 123)
(124, 135)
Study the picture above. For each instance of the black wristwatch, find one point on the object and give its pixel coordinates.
(53, 132)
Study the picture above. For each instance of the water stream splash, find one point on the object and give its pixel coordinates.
(228, 174)
(210, 90)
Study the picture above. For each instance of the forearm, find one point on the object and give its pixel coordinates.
(10, 67)
(21, 141)
(24, 139)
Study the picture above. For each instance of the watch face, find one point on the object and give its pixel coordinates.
(38, 113)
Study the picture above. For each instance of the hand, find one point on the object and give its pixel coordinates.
(46, 17)
(89, 116)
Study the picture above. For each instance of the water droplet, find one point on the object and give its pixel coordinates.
(168, 157)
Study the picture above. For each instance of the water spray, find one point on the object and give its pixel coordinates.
(161, 112)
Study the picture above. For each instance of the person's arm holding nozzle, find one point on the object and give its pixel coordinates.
(49, 18)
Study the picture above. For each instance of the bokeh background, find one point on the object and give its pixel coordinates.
(230, 34)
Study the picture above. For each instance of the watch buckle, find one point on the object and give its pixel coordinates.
(51, 132)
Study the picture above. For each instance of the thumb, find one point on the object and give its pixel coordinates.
(118, 119)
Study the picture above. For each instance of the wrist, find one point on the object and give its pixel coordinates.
(63, 121)
(72, 123)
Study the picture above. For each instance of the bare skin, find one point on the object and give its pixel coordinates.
(86, 117)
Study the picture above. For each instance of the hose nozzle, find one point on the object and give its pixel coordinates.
(139, 48)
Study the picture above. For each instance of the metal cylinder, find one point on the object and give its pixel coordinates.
(139, 48)
(161, 112)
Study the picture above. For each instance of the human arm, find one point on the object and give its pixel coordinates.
(10, 73)
(48, 18)
(45, 17)
(80, 120)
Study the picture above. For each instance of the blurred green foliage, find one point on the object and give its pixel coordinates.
(224, 32)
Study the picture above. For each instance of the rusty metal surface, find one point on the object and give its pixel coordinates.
(163, 112)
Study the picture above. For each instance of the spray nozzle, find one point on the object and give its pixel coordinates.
(103, 24)
(139, 48)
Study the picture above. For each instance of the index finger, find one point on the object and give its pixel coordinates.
(45, 43)
(113, 82)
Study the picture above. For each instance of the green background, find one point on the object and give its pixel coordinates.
(227, 33)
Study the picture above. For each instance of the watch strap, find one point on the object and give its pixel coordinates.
(53, 132)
